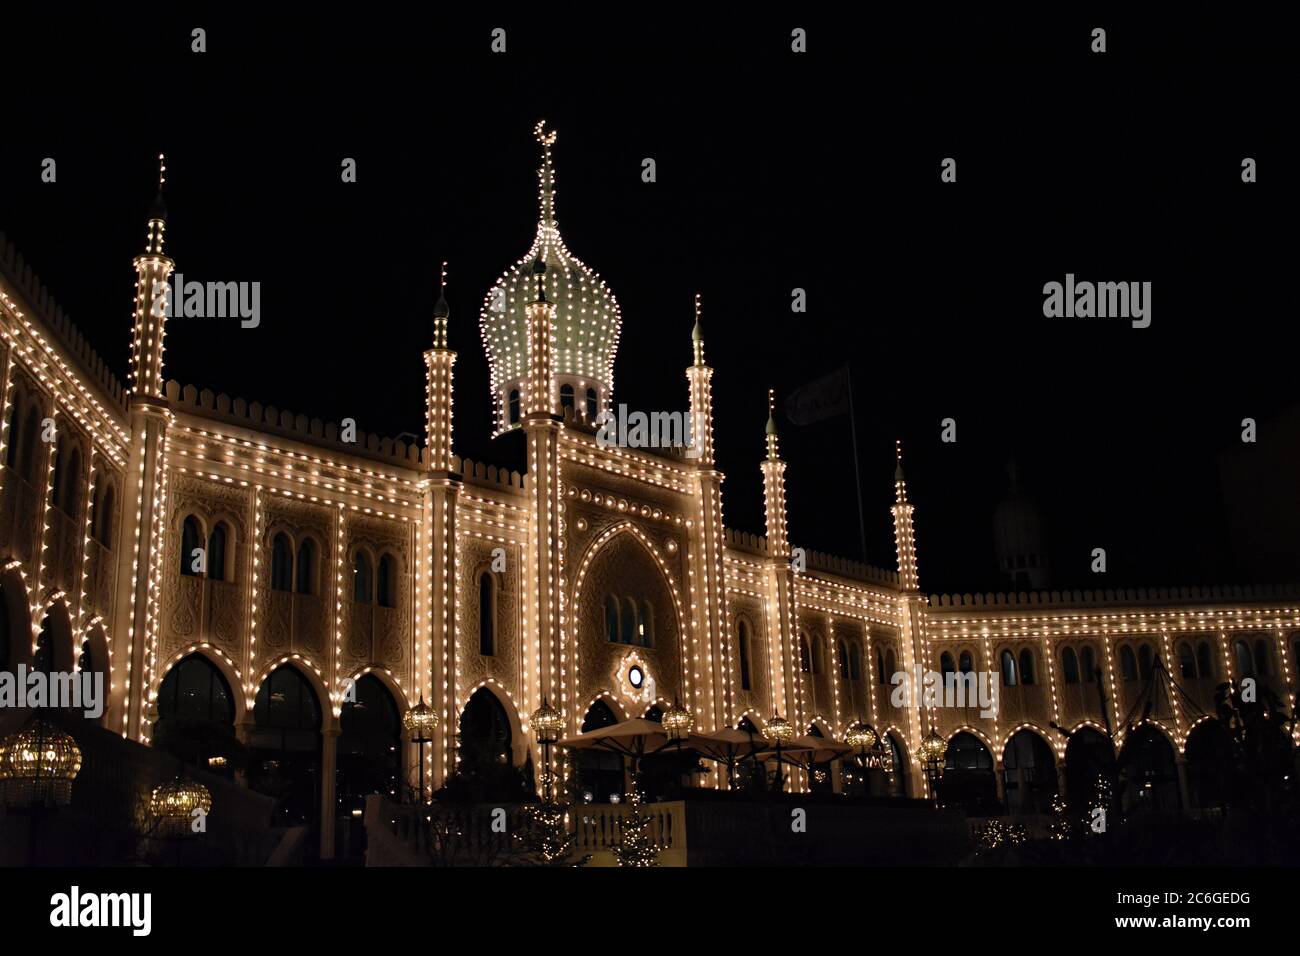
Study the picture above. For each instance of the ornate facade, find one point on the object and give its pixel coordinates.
(440, 577)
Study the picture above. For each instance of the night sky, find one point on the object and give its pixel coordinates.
(775, 171)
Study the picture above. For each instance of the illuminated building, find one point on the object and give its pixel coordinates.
(603, 578)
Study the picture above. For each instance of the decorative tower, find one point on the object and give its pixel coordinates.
(912, 641)
(541, 424)
(709, 624)
(139, 572)
(785, 699)
(439, 533)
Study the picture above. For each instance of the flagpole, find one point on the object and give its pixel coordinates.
(853, 430)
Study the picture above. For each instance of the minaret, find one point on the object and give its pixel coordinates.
(785, 697)
(152, 270)
(711, 646)
(439, 362)
(139, 567)
(912, 641)
(436, 641)
(904, 534)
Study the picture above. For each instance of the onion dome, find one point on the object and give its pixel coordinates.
(587, 317)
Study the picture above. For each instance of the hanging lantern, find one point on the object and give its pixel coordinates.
(932, 749)
(859, 735)
(421, 721)
(779, 729)
(547, 723)
(176, 800)
(38, 765)
(677, 722)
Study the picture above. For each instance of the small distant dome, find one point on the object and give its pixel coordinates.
(1020, 536)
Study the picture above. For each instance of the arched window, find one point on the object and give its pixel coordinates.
(1008, 669)
(362, 588)
(645, 624)
(1070, 666)
(818, 655)
(67, 486)
(1088, 661)
(103, 520)
(281, 563)
(1146, 663)
(486, 615)
(1128, 663)
(30, 431)
(60, 466)
(512, 407)
(306, 571)
(14, 436)
(805, 655)
(566, 396)
(1027, 666)
(191, 541)
(611, 619)
(1204, 660)
(946, 666)
(891, 665)
(855, 662)
(1245, 663)
(196, 711)
(217, 552)
(1263, 660)
(43, 657)
(842, 657)
(1186, 661)
(285, 746)
(386, 594)
(369, 745)
(591, 405)
(880, 668)
(742, 639)
(966, 663)
(628, 619)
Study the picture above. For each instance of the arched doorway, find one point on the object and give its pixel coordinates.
(370, 745)
(895, 778)
(1029, 774)
(92, 659)
(1210, 765)
(196, 714)
(285, 746)
(598, 773)
(1148, 774)
(967, 780)
(485, 737)
(1089, 758)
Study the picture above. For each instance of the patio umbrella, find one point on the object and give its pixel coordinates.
(632, 738)
(727, 746)
(807, 750)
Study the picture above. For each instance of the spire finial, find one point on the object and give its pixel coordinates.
(162, 171)
(157, 212)
(441, 311)
(546, 174)
(898, 469)
(771, 424)
(697, 334)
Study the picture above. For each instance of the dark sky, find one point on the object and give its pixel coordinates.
(775, 171)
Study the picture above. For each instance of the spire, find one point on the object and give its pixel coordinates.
(441, 312)
(157, 214)
(771, 425)
(900, 483)
(697, 334)
(545, 177)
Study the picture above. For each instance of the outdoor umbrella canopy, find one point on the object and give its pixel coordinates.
(632, 738)
(726, 745)
(806, 751)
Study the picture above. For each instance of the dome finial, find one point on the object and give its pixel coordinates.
(546, 174)
(771, 423)
(441, 311)
(697, 334)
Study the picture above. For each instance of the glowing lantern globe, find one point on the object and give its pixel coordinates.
(38, 765)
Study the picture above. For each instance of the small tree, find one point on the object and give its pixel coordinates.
(544, 838)
(637, 846)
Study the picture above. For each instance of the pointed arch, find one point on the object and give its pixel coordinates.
(501, 698)
(229, 672)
